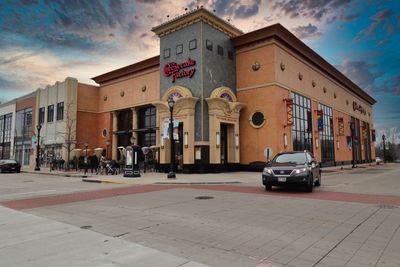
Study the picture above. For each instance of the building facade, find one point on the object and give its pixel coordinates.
(236, 95)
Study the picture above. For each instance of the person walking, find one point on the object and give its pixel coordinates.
(94, 161)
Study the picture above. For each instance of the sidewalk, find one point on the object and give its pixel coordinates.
(29, 240)
(207, 178)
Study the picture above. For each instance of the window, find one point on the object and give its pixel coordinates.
(179, 49)
(257, 119)
(326, 136)
(147, 125)
(167, 53)
(302, 128)
(60, 111)
(5, 136)
(50, 113)
(209, 45)
(230, 55)
(193, 44)
(220, 50)
(41, 115)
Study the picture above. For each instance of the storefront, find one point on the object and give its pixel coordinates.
(235, 95)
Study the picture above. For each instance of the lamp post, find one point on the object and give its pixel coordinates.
(171, 103)
(384, 148)
(37, 168)
(108, 142)
(86, 159)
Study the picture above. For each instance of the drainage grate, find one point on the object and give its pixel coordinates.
(86, 227)
(204, 197)
(387, 206)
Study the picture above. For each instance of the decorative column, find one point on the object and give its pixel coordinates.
(114, 136)
(134, 124)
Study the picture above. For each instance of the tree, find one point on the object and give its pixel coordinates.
(69, 132)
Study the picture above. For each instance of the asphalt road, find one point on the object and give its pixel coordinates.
(353, 219)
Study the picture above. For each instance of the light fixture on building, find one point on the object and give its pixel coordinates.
(185, 140)
(313, 83)
(218, 139)
(300, 76)
(162, 141)
(283, 67)
(256, 66)
(316, 143)
(285, 142)
(337, 144)
(237, 141)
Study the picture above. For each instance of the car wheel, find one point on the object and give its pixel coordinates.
(268, 187)
(310, 184)
(318, 182)
(18, 171)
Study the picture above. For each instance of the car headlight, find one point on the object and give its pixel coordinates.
(300, 171)
(268, 171)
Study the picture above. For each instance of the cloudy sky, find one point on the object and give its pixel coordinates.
(44, 41)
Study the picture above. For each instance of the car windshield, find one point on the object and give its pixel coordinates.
(296, 158)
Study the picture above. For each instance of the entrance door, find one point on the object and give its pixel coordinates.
(224, 144)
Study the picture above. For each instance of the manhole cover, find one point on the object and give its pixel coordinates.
(204, 197)
(387, 206)
(86, 227)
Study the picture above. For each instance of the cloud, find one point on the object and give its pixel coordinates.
(305, 32)
(349, 18)
(383, 42)
(361, 73)
(310, 9)
(392, 85)
(380, 22)
(230, 8)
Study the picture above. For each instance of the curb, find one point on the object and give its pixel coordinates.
(198, 183)
(104, 181)
(56, 174)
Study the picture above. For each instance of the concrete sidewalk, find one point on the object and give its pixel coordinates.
(29, 240)
(208, 178)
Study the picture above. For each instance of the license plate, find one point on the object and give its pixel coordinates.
(281, 179)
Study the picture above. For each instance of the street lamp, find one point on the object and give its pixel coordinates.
(108, 142)
(38, 127)
(384, 148)
(86, 159)
(171, 103)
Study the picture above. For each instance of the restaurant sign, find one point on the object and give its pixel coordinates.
(358, 107)
(177, 71)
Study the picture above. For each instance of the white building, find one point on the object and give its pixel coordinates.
(56, 112)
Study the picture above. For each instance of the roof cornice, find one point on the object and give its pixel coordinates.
(128, 70)
(284, 36)
(200, 14)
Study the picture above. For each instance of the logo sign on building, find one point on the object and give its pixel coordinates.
(289, 109)
(320, 116)
(178, 71)
(341, 126)
(358, 107)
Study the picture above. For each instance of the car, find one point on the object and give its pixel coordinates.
(286, 168)
(378, 160)
(9, 165)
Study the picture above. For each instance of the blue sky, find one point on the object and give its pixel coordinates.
(44, 41)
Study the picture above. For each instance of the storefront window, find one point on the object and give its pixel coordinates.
(147, 125)
(5, 135)
(302, 128)
(326, 136)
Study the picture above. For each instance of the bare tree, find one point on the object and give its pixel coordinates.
(69, 132)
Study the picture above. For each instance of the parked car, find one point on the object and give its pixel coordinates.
(286, 168)
(378, 160)
(9, 165)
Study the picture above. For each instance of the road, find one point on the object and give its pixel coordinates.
(353, 219)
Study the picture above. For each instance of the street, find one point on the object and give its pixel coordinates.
(353, 219)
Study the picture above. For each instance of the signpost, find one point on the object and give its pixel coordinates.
(268, 152)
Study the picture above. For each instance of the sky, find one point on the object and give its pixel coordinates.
(44, 41)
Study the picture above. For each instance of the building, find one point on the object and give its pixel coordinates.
(25, 109)
(236, 95)
(7, 129)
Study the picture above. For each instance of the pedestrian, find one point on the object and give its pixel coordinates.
(94, 161)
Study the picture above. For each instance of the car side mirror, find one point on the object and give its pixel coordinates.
(313, 165)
